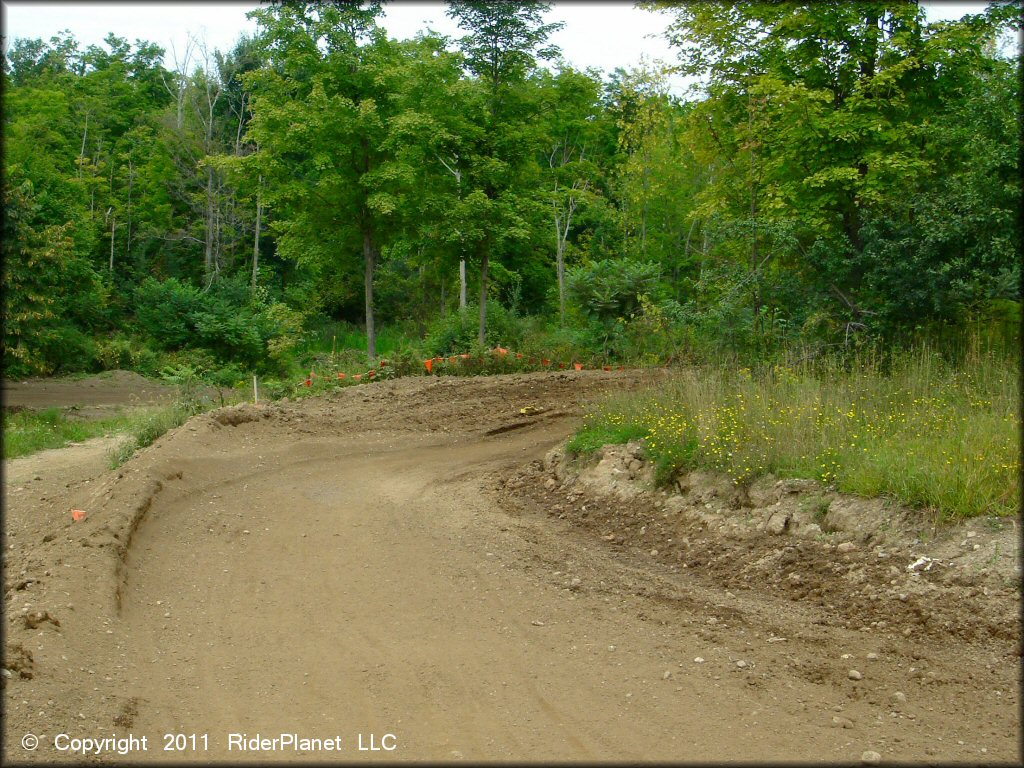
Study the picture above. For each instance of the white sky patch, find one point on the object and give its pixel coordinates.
(604, 35)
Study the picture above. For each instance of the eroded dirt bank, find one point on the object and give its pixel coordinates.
(397, 559)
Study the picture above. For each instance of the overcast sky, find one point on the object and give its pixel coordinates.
(605, 35)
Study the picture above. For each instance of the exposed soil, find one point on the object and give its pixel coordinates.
(409, 558)
(108, 388)
(90, 397)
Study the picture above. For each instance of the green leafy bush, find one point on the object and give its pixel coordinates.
(611, 288)
(458, 332)
(282, 327)
(229, 333)
(67, 349)
(120, 352)
(164, 310)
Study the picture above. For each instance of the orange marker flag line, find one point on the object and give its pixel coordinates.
(429, 365)
(341, 375)
(78, 515)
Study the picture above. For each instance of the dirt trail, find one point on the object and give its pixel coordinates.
(98, 396)
(356, 566)
(112, 388)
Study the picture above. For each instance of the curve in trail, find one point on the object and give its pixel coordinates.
(381, 561)
(362, 590)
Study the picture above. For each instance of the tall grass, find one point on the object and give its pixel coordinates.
(144, 427)
(912, 425)
(337, 337)
(27, 432)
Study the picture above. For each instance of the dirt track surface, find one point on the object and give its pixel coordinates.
(384, 561)
(112, 388)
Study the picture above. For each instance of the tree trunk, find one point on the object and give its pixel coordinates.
(370, 260)
(869, 54)
(561, 237)
(81, 155)
(560, 258)
(462, 283)
(482, 336)
(113, 229)
(424, 313)
(131, 179)
(208, 245)
(256, 239)
(754, 256)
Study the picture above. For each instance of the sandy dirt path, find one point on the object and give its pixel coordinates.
(373, 592)
(343, 569)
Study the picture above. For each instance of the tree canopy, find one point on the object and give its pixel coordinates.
(844, 171)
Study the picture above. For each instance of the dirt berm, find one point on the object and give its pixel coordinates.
(407, 566)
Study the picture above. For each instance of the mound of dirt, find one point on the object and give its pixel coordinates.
(869, 564)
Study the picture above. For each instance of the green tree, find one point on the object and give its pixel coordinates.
(501, 47)
(321, 115)
(818, 128)
(570, 104)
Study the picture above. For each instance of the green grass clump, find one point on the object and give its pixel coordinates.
(27, 432)
(594, 435)
(145, 427)
(921, 429)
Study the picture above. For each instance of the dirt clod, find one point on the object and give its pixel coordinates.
(34, 618)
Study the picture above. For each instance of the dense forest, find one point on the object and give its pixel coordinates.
(846, 173)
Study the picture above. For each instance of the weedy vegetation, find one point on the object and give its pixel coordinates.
(916, 426)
